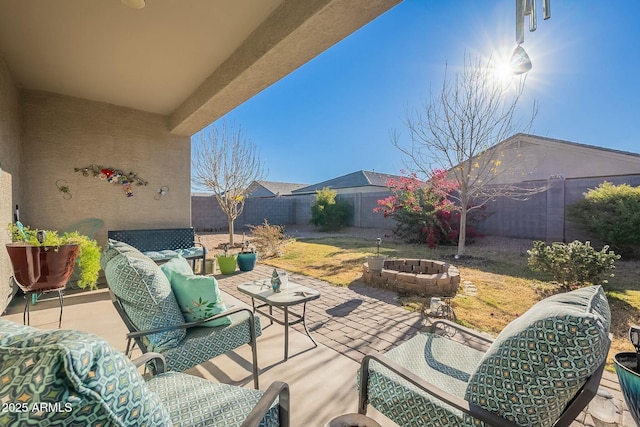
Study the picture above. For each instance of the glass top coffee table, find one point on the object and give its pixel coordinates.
(294, 294)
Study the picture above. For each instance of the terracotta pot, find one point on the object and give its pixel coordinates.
(42, 268)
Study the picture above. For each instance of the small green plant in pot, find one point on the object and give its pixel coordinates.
(50, 241)
(226, 262)
(247, 258)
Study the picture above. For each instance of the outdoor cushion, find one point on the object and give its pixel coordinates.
(72, 372)
(161, 255)
(176, 265)
(445, 363)
(205, 343)
(194, 252)
(198, 296)
(113, 248)
(540, 360)
(146, 296)
(208, 403)
(11, 332)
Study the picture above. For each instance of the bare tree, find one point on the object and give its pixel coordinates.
(459, 130)
(226, 162)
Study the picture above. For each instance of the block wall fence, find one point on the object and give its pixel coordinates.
(542, 217)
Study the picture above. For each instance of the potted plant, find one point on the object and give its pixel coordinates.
(627, 365)
(44, 260)
(226, 262)
(376, 262)
(247, 258)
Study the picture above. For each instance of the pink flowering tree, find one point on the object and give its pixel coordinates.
(422, 209)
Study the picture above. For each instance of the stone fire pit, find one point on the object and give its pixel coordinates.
(418, 276)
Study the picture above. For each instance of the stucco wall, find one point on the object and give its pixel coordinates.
(61, 133)
(9, 174)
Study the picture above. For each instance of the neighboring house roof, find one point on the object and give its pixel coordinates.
(272, 188)
(568, 143)
(527, 157)
(360, 178)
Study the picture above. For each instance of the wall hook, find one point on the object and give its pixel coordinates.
(161, 192)
(64, 189)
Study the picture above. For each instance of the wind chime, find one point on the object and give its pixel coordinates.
(520, 61)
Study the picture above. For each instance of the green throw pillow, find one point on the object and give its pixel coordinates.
(178, 265)
(198, 298)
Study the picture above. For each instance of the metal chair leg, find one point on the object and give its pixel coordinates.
(25, 314)
(60, 297)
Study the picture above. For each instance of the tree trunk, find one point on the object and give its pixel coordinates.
(462, 237)
(231, 232)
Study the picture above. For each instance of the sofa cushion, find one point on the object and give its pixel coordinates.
(146, 296)
(540, 360)
(209, 403)
(77, 377)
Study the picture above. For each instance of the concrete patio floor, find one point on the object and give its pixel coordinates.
(346, 322)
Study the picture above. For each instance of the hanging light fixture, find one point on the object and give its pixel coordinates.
(520, 62)
(134, 4)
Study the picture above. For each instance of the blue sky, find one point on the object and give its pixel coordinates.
(333, 115)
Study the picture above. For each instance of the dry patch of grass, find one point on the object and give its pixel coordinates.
(505, 286)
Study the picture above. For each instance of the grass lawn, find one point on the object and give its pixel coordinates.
(505, 285)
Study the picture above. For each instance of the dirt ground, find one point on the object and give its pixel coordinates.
(302, 231)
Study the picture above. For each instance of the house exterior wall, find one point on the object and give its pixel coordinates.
(537, 158)
(61, 133)
(10, 161)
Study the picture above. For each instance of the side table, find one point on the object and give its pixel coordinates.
(294, 294)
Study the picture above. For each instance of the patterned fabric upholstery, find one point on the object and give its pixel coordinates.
(202, 344)
(114, 248)
(208, 403)
(529, 374)
(145, 294)
(446, 364)
(540, 360)
(71, 372)
(166, 254)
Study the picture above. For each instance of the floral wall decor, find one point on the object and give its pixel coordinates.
(113, 176)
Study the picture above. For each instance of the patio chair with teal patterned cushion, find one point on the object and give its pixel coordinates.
(143, 296)
(541, 370)
(65, 377)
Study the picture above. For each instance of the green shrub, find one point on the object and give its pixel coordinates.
(574, 264)
(329, 213)
(268, 239)
(612, 214)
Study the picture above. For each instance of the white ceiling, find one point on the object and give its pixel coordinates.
(169, 57)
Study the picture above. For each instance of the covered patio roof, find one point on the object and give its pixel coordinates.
(192, 61)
